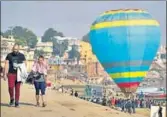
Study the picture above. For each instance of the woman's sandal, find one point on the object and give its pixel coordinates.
(38, 104)
(43, 104)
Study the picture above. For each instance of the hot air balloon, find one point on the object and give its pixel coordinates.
(125, 42)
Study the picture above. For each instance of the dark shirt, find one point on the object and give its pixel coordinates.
(133, 104)
(160, 110)
(14, 58)
(104, 102)
(76, 94)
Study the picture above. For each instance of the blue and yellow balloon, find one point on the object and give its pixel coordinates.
(125, 42)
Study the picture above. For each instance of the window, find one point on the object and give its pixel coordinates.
(163, 56)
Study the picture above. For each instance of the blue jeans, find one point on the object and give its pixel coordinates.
(40, 86)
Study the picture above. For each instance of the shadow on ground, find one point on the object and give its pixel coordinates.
(21, 103)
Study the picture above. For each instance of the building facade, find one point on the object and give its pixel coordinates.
(47, 47)
(6, 46)
(30, 54)
(161, 54)
(86, 55)
(70, 40)
(93, 66)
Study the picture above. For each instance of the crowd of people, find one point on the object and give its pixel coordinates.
(137, 103)
(74, 93)
(130, 105)
(124, 105)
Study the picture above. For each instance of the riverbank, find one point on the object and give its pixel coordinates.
(59, 105)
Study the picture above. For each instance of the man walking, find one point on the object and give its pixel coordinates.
(10, 71)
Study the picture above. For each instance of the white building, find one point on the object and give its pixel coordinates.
(6, 46)
(161, 54)
(71, 41)
(47, 47)
(30, 54)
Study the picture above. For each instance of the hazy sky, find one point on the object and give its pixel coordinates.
(72, 18)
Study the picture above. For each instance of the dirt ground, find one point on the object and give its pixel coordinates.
(58, 105)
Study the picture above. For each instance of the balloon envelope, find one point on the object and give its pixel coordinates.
(125, 42)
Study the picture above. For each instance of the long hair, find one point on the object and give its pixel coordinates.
(41, 56)
(45, 63)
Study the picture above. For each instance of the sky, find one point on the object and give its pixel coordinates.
(72, 18)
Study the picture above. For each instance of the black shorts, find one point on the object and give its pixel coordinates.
(40, 86)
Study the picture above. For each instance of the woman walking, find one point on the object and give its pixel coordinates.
(40, 69)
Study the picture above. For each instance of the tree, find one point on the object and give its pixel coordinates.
(86, 38)
(23, 36)
(50, 34)
(64, 47)
(73, 53)
(59, 48)
(2, 34)
(56, 50)
(21, 42)
(37, 53)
